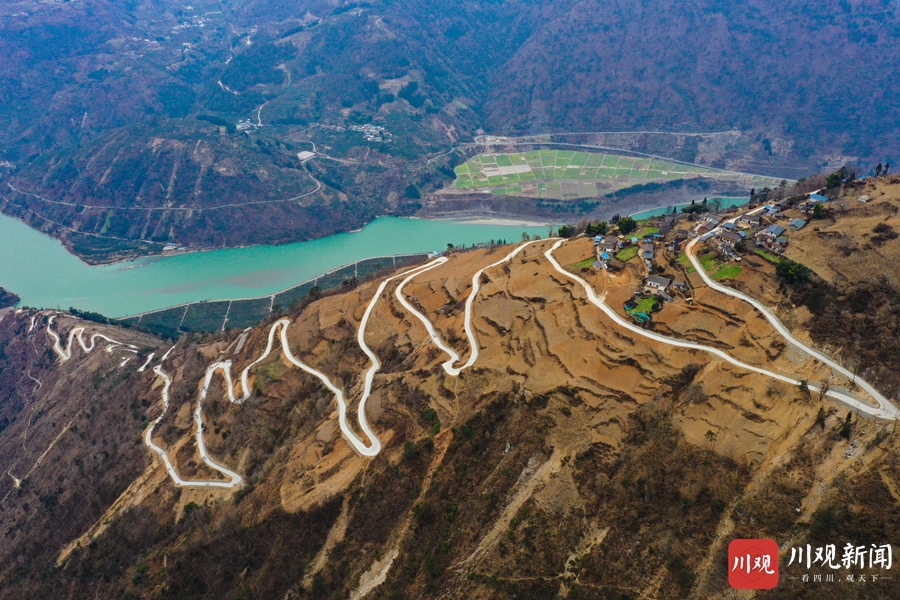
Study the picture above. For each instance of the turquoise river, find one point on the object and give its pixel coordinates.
(38, 268)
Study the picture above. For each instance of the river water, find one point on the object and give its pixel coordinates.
(38, 268)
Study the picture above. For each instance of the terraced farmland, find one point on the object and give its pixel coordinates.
(568, 174)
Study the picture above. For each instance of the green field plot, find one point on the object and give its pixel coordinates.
(569, 174)
(645, 305)
(727, 272)
(584, 264)
(686, 262)
(769, 256)
(626, 163)
(611, 160)
(641, 164)
(578, 159)
(627, 253)
(645, 231)
(708, 261)
(594, 160)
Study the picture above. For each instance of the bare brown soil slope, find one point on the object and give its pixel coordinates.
(574, 459)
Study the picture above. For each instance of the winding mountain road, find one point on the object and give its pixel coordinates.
(889, 410)
(883, 412)
(470, 302)
(78, 333)
(371, 445)
(372, 448)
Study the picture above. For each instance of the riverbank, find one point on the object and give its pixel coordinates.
(45, 275)
(8, 298)
(477, 219)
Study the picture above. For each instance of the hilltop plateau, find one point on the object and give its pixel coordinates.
(527, 440)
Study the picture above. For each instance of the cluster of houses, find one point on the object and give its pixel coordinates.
(608, 246)
(760, 228)
(765, 228)
(373, 133)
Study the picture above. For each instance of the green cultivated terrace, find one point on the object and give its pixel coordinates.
(567, 174)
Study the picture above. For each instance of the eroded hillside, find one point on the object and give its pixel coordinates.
(562, 452)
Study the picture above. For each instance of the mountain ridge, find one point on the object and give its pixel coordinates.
(534, 472)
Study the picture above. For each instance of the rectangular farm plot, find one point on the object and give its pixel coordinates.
(579, 159)
(611, 160)
(587, 189)
(507, 170)
(625, 163)
(594, 160)
(641, 164)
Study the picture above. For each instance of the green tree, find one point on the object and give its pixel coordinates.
(627, 225)
(600, 228)
(792, 272)
(412, 192)
(566, 231)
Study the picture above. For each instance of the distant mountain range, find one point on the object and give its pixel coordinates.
(95, 87)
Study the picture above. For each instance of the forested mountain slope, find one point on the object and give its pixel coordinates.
(98, 93)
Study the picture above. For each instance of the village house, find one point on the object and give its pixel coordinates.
(731, 238)
(797, 224)
(705, 228)
(610, 245)
(747, 220)
(770, 233)
(658, 282)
